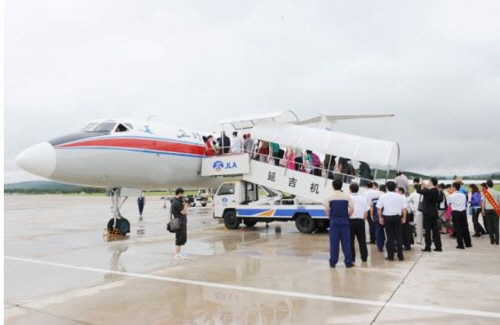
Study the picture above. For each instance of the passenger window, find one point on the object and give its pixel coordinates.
(226, 189)
(105, 127)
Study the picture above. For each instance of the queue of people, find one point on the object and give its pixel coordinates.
(393, 216)
(297, 159)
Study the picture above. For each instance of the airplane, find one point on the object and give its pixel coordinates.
(120, 154)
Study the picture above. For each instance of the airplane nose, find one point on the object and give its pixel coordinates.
(39, 159)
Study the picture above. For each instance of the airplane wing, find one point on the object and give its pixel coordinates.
(288, 116)
(249, 122)
(334, 118)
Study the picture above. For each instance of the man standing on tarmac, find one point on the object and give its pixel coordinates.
(490, 213)
(415, 201)
(458, 203)
(357, 221)
(392, 207)
(430, 198)
(179, 210)
(339, 207)
(372, 194)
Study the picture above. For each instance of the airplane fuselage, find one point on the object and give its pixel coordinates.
(146, 155)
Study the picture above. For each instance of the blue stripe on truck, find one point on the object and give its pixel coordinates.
(282, 212)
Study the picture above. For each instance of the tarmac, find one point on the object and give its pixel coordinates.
(60, 270)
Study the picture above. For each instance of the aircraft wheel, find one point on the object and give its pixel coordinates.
(304, 223)
(231, 221)
(249, 223)
(122, 225)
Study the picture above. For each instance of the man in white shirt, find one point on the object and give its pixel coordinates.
(458, 202)
(372, 195)
(357, 222)
(393, 215)
(414, 201)
(236, 144)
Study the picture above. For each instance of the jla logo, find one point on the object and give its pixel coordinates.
(219, 165)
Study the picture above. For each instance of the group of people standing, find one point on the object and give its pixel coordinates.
(225, 145)
(393, 215)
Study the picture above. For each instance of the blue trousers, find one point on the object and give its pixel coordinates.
(342, 234)
(379, 235)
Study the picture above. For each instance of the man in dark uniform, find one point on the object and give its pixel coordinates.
(430, 198)
(392, 209)
(224, 143)
(141, 201)
(339, 207)
(179, 210)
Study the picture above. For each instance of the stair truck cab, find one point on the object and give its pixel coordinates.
(240, 201)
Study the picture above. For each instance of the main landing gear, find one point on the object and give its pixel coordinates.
(117, 226)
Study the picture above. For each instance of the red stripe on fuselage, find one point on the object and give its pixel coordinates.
(143, 144)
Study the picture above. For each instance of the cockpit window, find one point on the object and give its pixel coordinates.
(121, 128)
(129, 126)
(89, 127)
(105, 127)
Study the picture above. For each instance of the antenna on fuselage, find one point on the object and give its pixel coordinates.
(150, 117)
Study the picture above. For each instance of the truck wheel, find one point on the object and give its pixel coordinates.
(249, 223)
(305, 223)
(322, 225)
(231, 221)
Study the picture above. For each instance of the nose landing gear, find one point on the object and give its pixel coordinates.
(118, 226)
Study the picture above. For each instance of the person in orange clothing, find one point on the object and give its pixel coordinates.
(209, 151)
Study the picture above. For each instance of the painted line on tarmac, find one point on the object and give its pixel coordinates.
(457, 311)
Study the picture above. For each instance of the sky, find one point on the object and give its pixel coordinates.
(434, 64)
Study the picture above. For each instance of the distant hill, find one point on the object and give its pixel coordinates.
(38, 187)
(41, 187)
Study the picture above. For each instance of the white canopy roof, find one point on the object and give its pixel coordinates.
(371, 151)
(248, 122)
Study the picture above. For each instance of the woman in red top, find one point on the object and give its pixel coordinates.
(209, 151)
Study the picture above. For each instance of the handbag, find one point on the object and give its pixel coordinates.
(174, 224)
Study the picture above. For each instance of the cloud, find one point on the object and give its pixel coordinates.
(433, 64)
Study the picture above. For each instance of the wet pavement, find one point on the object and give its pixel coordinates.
(60, 270)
